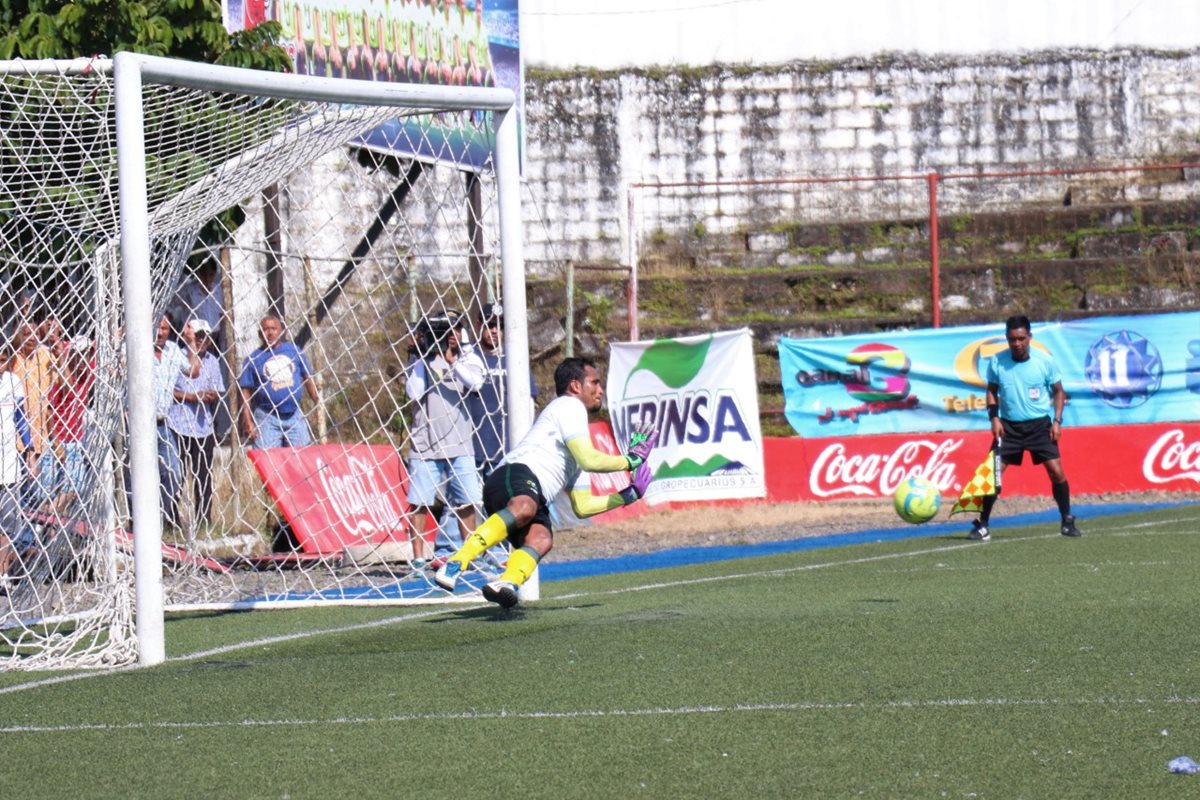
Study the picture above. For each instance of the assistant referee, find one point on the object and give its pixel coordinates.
(1025, 401)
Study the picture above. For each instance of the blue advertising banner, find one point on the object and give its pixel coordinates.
(1115, 370)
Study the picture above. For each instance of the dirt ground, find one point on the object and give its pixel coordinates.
(760, 522)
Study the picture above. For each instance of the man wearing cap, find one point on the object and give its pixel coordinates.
(202, 297)
(170, 362)
(486, 406)
(191, 417)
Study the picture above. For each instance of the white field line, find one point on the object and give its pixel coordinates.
(1127, 530)
(402, 618)
(1091, 565)
(218, 651)
(611, 713)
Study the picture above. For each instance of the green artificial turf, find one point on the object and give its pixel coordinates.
(1030, 666)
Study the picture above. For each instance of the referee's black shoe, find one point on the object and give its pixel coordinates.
(1068, 527)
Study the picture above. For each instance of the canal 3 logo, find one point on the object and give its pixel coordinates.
(1124, 368)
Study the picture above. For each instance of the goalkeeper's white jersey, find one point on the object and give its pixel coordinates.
(544, 448)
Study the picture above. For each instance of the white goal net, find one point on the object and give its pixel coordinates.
(199, 209)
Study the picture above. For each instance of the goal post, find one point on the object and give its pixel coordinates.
(113, 172)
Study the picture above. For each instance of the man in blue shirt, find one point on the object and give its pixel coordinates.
(1025, 400)
(274, 378)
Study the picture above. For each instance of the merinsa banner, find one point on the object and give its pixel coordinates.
(702, 393)
(1116, 370)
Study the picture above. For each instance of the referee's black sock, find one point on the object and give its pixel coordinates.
(1062, 496)
(985, 513)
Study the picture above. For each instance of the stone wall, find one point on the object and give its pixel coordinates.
(591, 135)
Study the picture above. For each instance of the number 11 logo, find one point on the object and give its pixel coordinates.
(1124, 368)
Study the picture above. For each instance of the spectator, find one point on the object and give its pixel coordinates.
(170, 362)
(441, 464)
(53, 337)
(34, 365)
(27, 302)
(202, 297)
(486, 406)
(16, 457)
(190, 418)
(62, 470)
(273, 379)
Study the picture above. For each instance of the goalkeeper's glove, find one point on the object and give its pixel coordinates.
(637, 488)
(644, 437)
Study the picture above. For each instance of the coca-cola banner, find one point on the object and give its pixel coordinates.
(1116, 370)
(1126, 458)
(334, 495)
(702, 394)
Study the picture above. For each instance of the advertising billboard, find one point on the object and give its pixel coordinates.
(1116, 370)
(438, 42)
(702, 395)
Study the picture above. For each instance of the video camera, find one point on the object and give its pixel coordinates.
(432, 333)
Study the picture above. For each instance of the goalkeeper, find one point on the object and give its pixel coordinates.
(517, 494)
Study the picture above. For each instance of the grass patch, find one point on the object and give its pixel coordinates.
(1030, 666)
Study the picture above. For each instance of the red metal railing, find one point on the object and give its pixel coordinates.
(932, 180)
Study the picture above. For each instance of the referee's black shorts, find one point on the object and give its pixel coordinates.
(514, 480)
(1031, 435)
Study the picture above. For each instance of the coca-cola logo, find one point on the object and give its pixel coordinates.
(356, 498)
(836, 473)
(1171, 458)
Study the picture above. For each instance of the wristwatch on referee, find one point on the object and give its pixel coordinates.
(1058, 420)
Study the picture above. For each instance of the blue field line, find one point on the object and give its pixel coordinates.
(421, 586)
(688, 556)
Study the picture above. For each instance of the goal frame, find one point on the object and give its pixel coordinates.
(131, 72)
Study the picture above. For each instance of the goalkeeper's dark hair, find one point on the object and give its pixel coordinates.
(570, 369)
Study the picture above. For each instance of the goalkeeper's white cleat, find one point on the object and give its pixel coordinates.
(502, 593)
(447, 575)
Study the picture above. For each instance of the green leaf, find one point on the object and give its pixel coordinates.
(674, 362)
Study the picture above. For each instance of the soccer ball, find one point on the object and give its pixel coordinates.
(917, 500)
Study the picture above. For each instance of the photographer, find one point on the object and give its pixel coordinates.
(441, 464)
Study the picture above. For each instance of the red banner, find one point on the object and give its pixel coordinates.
(336, 495)
(1114, 458)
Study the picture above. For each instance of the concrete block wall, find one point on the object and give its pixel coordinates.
(591, 135)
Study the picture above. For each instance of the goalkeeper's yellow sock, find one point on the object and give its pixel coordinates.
(495, 529)
(521, 564)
